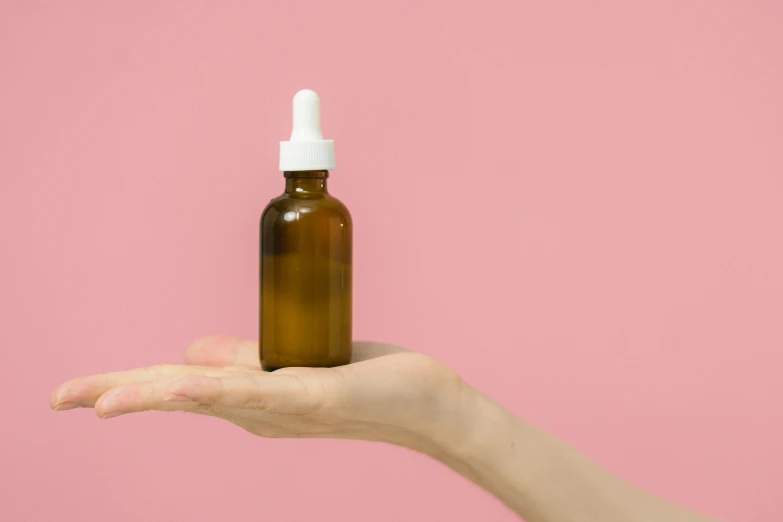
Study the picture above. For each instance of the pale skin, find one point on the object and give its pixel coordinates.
(387, 394)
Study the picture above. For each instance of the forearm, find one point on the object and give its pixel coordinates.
(535, 474)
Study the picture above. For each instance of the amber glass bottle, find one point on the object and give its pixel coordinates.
(306, 247)
(305, 303)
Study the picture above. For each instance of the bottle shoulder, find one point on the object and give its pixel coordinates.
(339, 206)
(324, 205)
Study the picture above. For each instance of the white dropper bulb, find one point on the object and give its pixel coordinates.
(307, 117)
(307, 149)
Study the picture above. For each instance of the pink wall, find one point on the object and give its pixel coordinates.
(579, 205)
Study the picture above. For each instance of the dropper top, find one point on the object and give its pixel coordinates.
(307, 117)
(307, 149)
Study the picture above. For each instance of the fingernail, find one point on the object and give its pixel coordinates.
(177, 397)
(67, 406)
(112, 414)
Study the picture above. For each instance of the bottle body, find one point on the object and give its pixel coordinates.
(305, 298)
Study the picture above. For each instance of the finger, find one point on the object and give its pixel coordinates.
(223, 351)
(138, 396)
(153, 395)
(85, 391)
(285, 394)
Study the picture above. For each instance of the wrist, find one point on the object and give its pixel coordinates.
(481, 440)
(468, 428)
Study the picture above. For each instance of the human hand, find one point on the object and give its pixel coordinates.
(386, 394)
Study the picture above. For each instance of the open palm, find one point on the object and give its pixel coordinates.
(387, 393)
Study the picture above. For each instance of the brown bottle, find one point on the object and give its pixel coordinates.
(305, 269)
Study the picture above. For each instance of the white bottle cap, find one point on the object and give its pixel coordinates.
(307, 149)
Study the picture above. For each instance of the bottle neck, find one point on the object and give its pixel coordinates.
(306, 182)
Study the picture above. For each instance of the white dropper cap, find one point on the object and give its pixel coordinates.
(307, 149)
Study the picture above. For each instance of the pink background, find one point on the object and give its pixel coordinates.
(578, 205)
